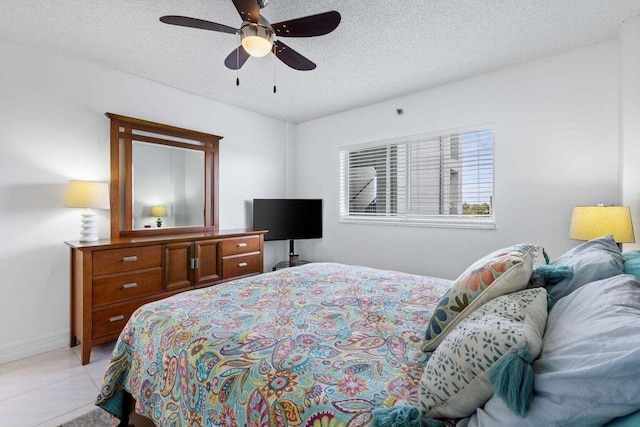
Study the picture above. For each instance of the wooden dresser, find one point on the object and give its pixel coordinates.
(111, 278)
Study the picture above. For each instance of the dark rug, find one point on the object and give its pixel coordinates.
(96, 418)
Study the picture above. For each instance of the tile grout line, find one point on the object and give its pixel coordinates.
(48, 384)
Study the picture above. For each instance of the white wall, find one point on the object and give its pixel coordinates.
(52, 129)
(629, 90)
(556, 146)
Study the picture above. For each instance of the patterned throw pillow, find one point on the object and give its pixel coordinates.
(501, 272)
(455, 381)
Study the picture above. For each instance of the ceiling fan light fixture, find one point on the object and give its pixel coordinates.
(256, 39)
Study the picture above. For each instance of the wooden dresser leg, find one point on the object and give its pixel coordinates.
(85, 351)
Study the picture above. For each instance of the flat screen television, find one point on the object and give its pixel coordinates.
(288, 219)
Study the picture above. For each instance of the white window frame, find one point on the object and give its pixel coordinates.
(440, 220)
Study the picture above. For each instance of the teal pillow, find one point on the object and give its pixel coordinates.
(630, 255)
(594, 260)
(631, 420)
(632, 263)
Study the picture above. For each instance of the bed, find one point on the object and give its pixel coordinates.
(334, 345)
(320, 344)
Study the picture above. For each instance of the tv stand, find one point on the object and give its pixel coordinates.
(292, 253)
(294, 260)
(287, 264)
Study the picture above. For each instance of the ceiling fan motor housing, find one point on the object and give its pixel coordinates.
(257, 34)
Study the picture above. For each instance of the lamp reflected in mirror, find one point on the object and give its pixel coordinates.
(171, 178)
(159, 212)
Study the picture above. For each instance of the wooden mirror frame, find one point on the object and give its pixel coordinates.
(125, 130)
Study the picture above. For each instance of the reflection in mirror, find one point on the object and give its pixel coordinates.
(169, 177)
(184, 193)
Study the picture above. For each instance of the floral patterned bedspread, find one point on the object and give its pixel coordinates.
(316, 345)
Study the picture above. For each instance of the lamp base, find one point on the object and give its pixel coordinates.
(89, 230)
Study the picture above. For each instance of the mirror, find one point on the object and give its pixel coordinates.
(171, 179)
(164, 179)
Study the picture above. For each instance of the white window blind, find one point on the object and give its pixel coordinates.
(441, 180)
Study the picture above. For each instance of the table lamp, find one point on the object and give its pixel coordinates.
(88, 195)
(159, 212)
(589, 222)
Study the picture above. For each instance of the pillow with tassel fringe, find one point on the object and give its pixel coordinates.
(489, 351)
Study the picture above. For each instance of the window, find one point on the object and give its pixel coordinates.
(437, 180)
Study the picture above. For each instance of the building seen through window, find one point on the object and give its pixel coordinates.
(426, 178)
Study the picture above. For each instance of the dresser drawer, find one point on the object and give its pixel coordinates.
(124, 286)
(240, 265)
(127, 259)
(240, 245)
(111, 319)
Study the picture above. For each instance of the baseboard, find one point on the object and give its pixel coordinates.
(32, 346)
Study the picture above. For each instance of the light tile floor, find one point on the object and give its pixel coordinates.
(51, 388)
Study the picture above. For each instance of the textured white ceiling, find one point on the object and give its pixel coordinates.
(380, 50)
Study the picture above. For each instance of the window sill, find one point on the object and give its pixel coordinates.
(484, 224)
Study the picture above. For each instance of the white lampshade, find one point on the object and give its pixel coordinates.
(589, 222)
(88, 195)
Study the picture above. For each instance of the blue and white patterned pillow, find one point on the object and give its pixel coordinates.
(455, 381)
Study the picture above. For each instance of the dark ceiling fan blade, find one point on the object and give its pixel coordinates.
(292, 58)
(236, 59)
(249, 10)
(185, 21)
(308, 26)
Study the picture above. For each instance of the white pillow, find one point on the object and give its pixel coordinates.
(455, 381)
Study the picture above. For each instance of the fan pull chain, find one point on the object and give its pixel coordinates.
(274, 69)
(238, 61)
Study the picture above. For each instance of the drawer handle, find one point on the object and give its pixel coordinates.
(242, 264)
(129, 285)
(242, 245)
(129, 258)
(116, 318)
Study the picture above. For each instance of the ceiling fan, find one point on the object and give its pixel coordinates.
(259, 37)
